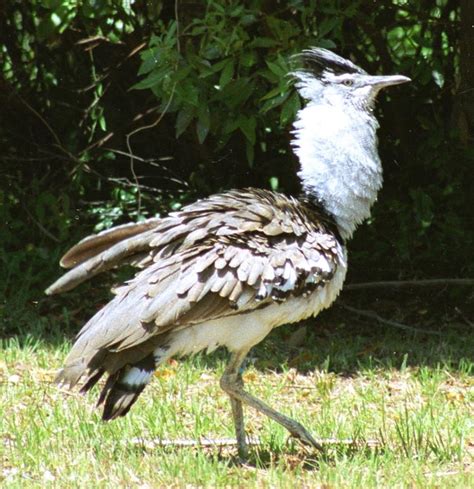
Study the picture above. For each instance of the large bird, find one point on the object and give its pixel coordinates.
(226, 270)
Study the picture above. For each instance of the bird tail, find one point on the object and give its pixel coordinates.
(123, 387)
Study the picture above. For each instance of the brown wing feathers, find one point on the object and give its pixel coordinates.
(218, 257)
(100, 261)
(95, 244)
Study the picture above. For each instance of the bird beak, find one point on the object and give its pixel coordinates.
(386, 81)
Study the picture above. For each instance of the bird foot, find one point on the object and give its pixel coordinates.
(243, 451)
(304, 436)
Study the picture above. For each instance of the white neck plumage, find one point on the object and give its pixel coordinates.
(340, 166)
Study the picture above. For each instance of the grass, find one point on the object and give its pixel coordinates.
(406, 400)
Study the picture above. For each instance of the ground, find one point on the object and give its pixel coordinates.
(393, 408)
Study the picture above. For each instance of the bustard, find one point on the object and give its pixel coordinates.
(226, 270)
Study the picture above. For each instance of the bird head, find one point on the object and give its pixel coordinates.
(328, 78)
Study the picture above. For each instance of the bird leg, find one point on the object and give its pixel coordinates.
(234, 376)
(238, 415)
(232, 383)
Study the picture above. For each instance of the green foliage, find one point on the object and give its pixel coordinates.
(221, 77)
(188, 98)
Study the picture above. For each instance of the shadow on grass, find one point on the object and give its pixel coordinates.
(337, 340)
(292, 454)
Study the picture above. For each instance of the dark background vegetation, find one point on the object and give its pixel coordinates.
(115, 110)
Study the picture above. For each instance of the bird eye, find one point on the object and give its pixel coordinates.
(347, 83)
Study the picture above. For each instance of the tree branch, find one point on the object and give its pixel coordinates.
(389, 322)
(410, 283)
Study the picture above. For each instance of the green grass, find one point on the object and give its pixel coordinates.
(410, 395)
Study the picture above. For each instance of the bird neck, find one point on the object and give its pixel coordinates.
(340, 167)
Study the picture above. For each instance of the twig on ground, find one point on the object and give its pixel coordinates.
(181, 443)
(447, 473)
(374, 315)
(370, 443)
(226, 442)
(410, 283)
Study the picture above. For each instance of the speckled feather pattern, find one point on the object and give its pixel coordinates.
(203, 270)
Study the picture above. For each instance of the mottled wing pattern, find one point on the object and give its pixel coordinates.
(231, 253)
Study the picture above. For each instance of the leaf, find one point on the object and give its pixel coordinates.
(274, 183)
(154, 78)
(202, 131)
(182, 73)
(170, 37)
(289, 109)
(185, 117)
(219, 66)
(247, 125)
(274, 102)
(236, 92)
(230, 125)
(226, 74)
(271, 94)
(187, 93)
(248, 59)
(150, 60)
(102, 123)
(203, 123)
(276, 69)
(327, 25)
(327, 43)
(438, 78)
